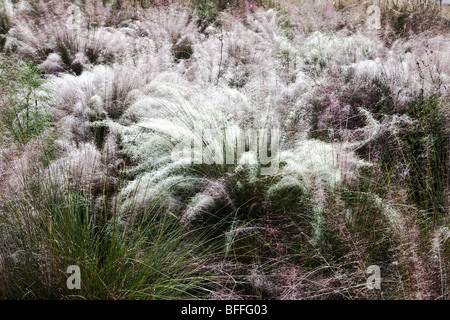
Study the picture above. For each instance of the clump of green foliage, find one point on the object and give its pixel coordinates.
(140, 254)
(426, 148)
(4, 27)
(24, 111)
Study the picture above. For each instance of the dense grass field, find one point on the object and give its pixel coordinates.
(258, 149)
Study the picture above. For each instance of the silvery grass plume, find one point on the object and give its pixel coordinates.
(175, 174)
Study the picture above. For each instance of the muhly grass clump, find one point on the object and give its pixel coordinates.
(223, 150)
(64, 215)
(141, 256)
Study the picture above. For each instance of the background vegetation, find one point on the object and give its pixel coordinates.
(95, 95)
